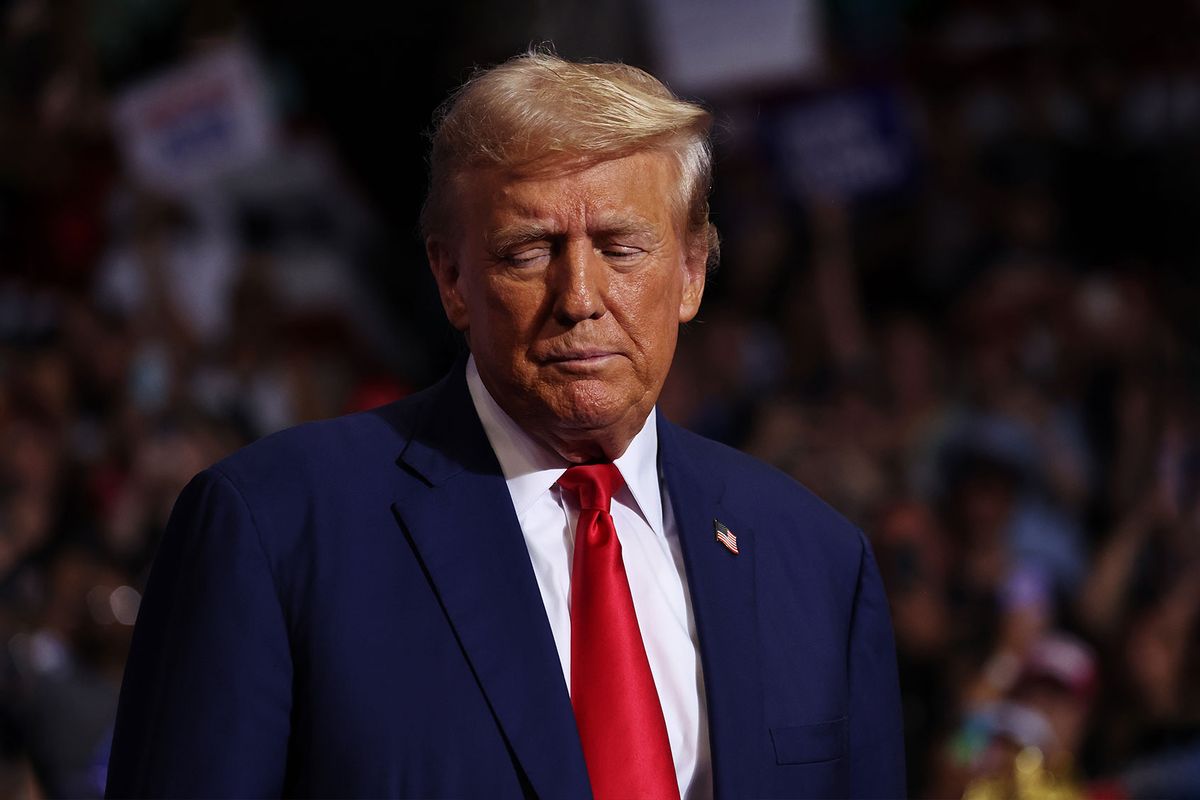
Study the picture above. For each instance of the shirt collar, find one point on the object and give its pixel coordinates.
(530, 468)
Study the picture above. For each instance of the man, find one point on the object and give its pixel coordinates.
(522, 581)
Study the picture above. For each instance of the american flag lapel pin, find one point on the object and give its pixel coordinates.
(725, 536)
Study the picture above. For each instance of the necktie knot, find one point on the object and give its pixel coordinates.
(593, 484)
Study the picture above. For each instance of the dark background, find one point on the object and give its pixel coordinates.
(958, 300)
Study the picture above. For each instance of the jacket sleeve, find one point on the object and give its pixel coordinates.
(876, 725)
(206, 700)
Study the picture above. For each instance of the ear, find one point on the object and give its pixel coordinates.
(444, 264)
(695, 270)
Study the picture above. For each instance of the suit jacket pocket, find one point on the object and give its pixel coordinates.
(810, 744)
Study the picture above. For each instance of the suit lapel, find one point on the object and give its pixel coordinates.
(457, 513)
(722, 590)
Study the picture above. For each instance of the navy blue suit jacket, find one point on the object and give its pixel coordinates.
(347, 608)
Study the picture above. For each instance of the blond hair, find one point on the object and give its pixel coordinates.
(538, 111)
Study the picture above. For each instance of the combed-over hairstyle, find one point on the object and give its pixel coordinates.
(538, 112)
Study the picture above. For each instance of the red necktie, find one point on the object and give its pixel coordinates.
(616, 705)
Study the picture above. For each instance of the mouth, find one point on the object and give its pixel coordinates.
(581, 359)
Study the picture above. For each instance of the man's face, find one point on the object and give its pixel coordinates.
(570, 290)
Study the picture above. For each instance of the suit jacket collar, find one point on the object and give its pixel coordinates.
(457, 514)
(724, 603)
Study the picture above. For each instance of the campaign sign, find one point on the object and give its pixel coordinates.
(204, 119)
(842, 144)
(714, 47)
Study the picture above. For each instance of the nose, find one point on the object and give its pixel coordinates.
(580, 279)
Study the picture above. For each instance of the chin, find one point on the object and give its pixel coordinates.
(593, 405)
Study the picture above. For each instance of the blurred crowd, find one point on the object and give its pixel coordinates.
(986, 354)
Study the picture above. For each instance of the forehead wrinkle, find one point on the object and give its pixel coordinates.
(528, 222)
(569, 205)
(528, 214)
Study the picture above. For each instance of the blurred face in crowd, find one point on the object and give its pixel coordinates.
(570, 287)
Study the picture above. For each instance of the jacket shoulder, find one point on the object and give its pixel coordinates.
(358, 449)
(776, 501)
(740, 471)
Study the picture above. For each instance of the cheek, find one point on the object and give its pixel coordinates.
(663, 302)
(506, 314)
(653, 319)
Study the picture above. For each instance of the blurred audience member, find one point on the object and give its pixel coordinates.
(989, 357)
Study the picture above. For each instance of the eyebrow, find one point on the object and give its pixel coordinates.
(518, 234)
(626, 228)
(527, 232)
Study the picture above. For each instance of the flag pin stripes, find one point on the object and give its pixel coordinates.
(725, 536)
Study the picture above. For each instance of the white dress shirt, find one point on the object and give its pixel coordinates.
(649, 539)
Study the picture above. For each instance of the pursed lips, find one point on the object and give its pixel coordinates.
(578, 355)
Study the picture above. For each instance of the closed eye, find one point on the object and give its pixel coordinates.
(527, 256)
(621, 253)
